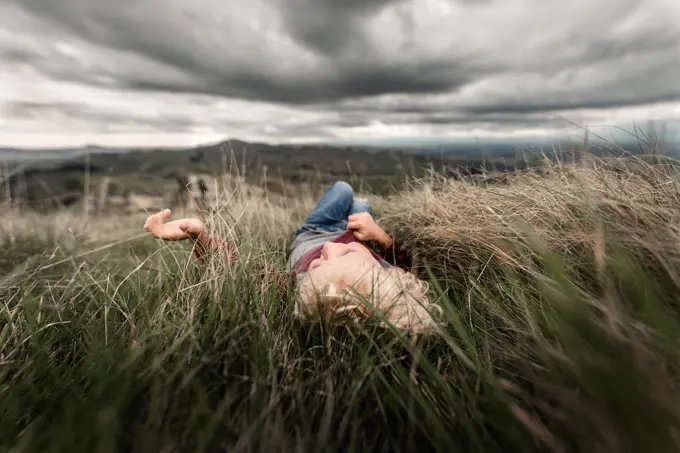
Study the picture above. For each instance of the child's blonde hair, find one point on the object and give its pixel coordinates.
(398, 295)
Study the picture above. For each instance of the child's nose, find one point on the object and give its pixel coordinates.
(331, 249)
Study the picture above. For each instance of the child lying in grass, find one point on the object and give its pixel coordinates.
(332, 266)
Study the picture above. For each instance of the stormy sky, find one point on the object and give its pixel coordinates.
(178, 72)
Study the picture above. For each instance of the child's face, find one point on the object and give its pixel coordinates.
(344, 265)
(352, 266)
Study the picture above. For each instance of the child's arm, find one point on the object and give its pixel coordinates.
(186, 229)
(193, 229)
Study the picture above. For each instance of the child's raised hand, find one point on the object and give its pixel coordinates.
(176, 230)
(365, 229)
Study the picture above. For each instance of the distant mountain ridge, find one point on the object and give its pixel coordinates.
(464, 147)
(309, 155)
(59, 176)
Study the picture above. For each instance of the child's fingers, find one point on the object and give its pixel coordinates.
(359, 236)
(155, 220)
(357, 217)
(148, 225)
(151, 225)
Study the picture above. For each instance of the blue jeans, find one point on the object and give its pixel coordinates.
(331, 212)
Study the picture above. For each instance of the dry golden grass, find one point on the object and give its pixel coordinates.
(458, 224)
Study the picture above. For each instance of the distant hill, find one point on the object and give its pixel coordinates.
(51, 178)
(57, 176)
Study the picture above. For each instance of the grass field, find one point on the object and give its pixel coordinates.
(560, 296)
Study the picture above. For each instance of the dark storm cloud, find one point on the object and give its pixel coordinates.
(347, 63)
(330, 26)
(361, 82)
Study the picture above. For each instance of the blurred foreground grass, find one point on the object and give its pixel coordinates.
(560, 294)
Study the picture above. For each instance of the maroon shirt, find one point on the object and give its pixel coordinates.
(394, 255)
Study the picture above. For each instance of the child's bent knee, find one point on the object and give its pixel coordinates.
(342, 190)
(342, 185)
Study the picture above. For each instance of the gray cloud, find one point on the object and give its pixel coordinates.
(337, 61)
(330, 27)
(176, 122)
(329, 65)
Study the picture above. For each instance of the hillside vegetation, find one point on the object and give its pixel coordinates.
(51, 184)
(560, 293)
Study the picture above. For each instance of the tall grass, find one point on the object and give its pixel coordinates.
(560, 295)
